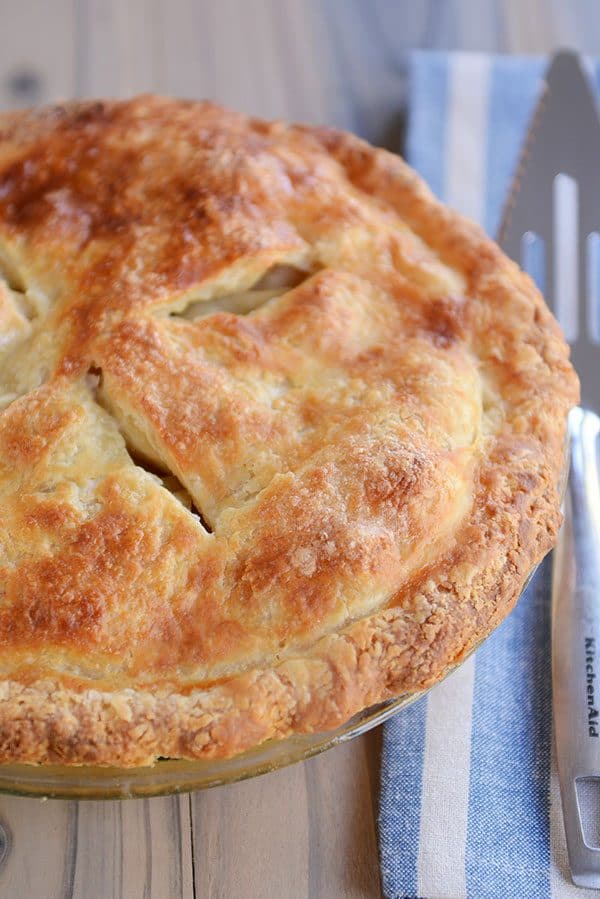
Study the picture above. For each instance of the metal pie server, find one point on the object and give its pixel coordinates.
(551, 224)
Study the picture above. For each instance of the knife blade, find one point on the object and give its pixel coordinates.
(553, 206)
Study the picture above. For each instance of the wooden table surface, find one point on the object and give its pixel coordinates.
(310, 830)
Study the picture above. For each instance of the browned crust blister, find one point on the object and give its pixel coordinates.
(373, 452)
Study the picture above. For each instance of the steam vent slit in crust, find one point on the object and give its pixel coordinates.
(280, 434)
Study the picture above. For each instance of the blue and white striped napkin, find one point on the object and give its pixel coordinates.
(469, 803)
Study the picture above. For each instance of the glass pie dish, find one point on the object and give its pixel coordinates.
(179, 776)
(169, 776)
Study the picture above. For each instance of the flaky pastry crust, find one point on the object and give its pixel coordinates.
(281, 435)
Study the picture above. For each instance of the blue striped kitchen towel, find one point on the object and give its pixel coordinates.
(469, 803)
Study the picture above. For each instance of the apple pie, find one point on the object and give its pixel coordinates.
(280, 434)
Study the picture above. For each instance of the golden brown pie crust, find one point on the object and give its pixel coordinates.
(373, 454)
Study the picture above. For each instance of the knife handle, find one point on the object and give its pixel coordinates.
(576, 652)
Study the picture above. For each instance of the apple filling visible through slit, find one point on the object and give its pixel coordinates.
(277, 281)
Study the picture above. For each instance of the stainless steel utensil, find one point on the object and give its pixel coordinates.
(551, 226)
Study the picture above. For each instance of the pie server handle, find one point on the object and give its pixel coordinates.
(576, 652)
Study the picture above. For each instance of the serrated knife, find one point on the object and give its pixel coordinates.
(551, 227)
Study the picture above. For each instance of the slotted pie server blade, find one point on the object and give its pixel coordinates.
(551, 226)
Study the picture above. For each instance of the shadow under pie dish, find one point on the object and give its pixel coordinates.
(280, 439)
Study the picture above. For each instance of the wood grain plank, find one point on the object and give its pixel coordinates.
(476, 26)
(98, 49)
(252, 838)
(242, 55)
(530, 27)
(37, 52)
(119, 47)
(39, 848)
(312, 93)
(237, 55)
(140, 849)
(228, 54)
(342, 789)
(577, 24)
(187, 67)
(308, 830)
